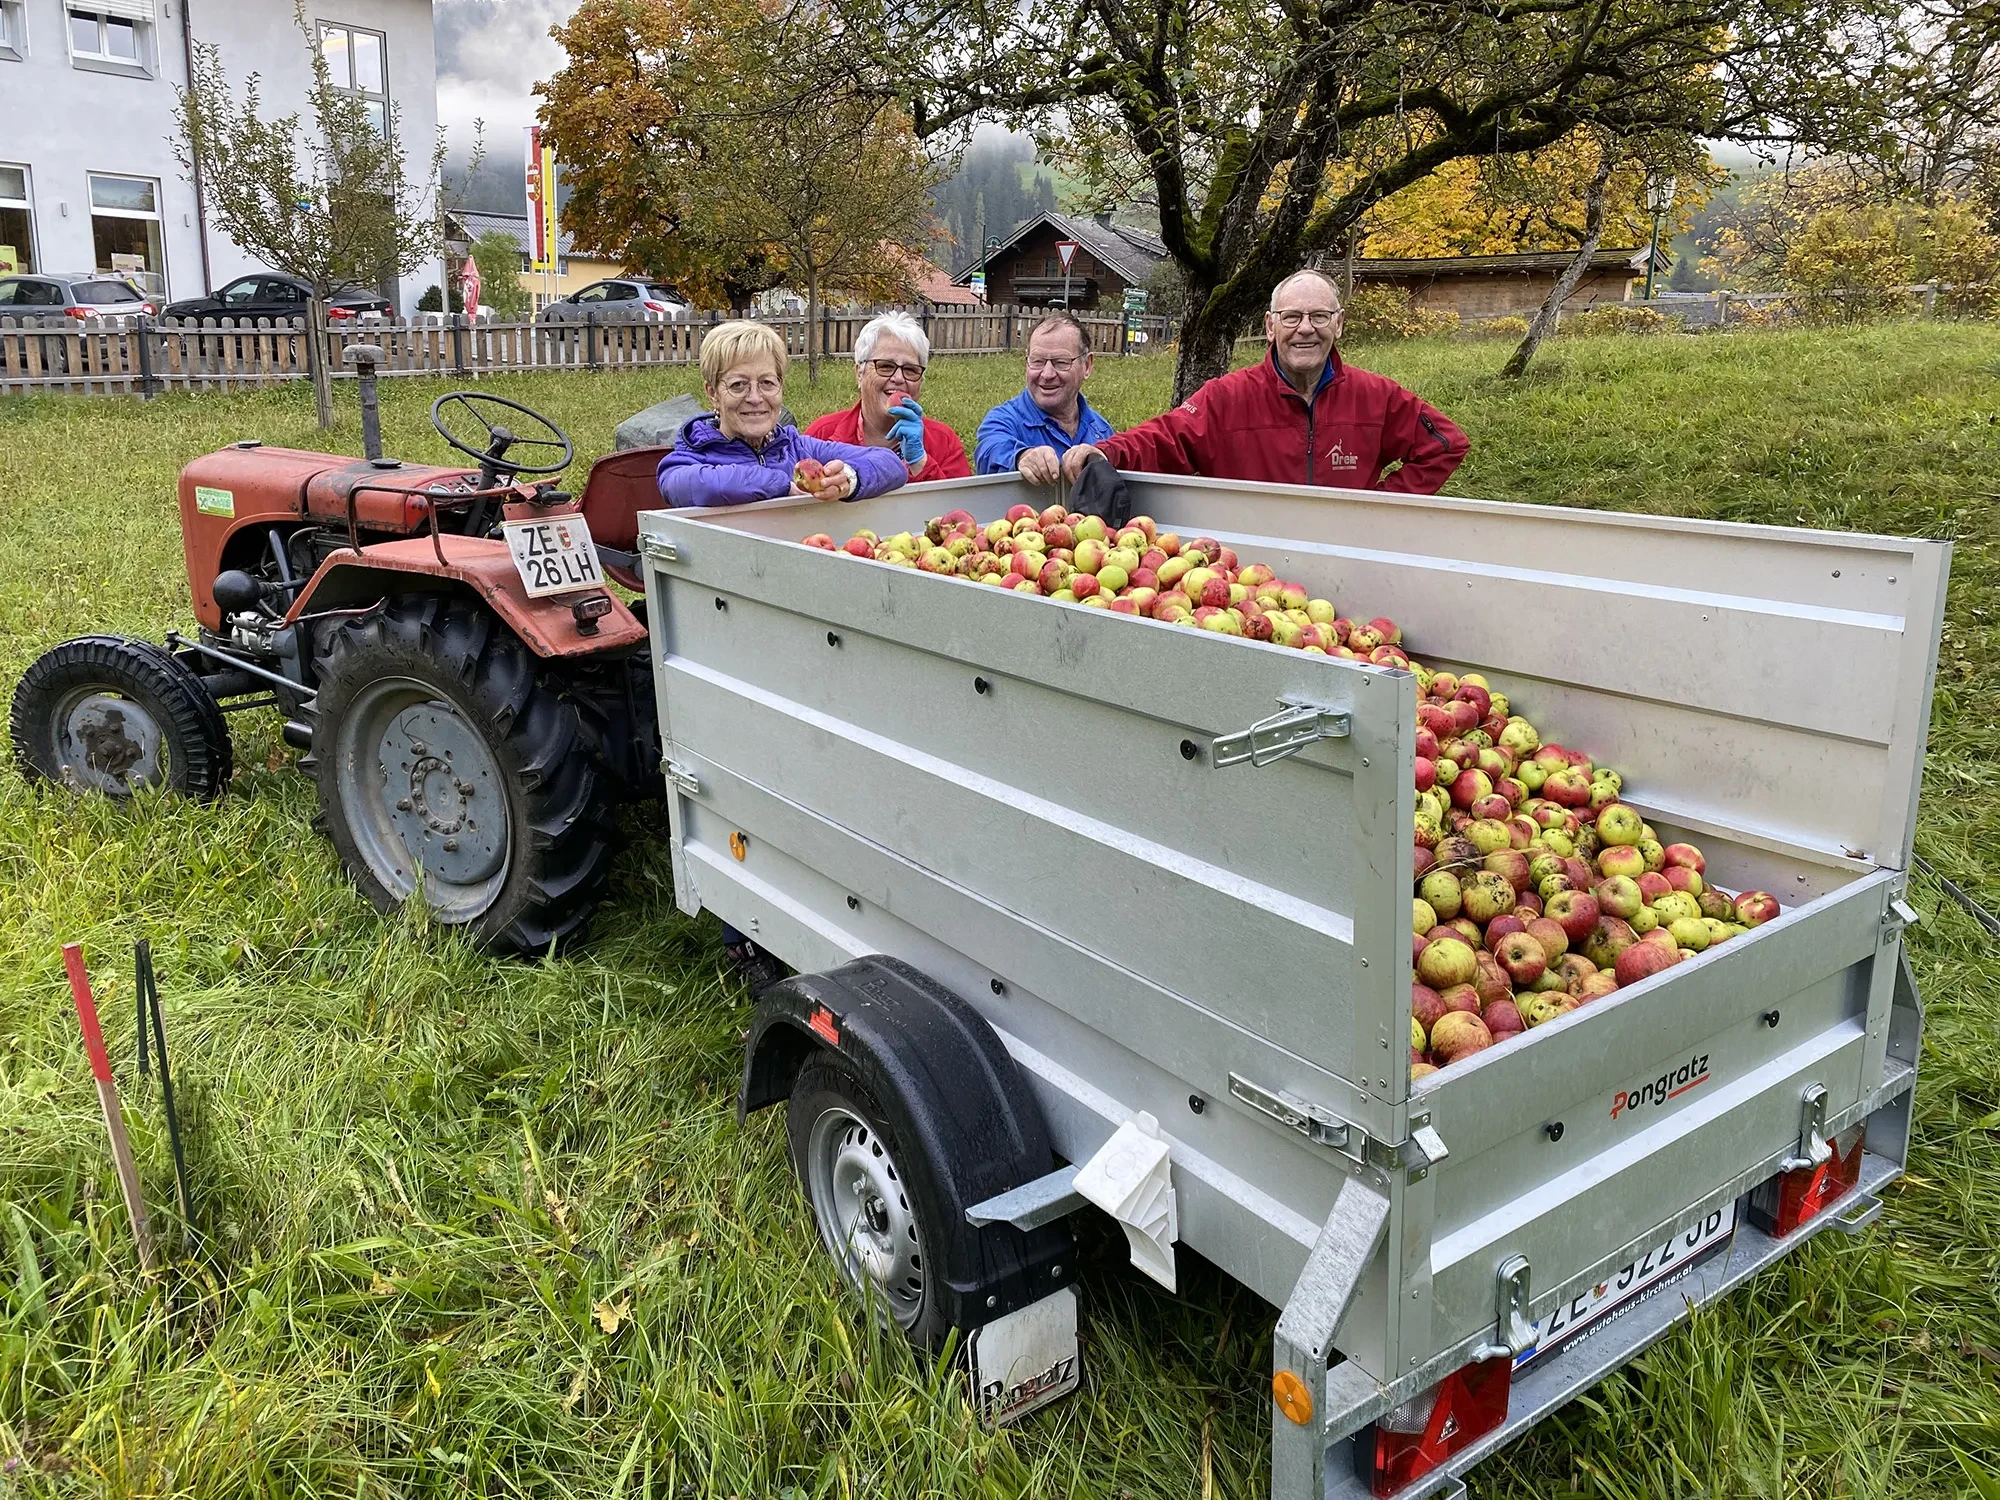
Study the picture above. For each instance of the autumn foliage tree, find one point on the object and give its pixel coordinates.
(1265, 134)
(702, 142)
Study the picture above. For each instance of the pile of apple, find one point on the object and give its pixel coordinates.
(1136, 570)
(1538, 890)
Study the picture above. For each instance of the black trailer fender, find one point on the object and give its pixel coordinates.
(953, 1095)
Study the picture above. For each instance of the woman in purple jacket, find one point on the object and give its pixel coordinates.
(744, 451)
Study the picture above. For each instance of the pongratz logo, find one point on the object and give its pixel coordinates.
(1691, 1074)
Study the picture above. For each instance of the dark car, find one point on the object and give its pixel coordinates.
(269, 295)
(616, 301)
(83, 294)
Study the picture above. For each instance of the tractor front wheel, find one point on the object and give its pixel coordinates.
(446, 763)
(107, 713)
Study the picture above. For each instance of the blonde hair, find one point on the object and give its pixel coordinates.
(731, 344)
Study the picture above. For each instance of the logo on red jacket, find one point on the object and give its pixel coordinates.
(1337, 457)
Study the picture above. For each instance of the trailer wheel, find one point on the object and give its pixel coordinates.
(441, 746)
(106, 713)
(867, 1196)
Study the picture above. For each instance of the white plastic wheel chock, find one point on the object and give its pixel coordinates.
(1130, 1179)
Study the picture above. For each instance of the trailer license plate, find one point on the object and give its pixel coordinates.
(1648, 1276)
(1023, 1361)
(554, 555)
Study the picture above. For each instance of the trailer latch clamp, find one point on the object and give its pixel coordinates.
(1283, 734)
(680, 778)
(1514, 1330)
(1319, 1125)
(1812, 1148)
(660, 549)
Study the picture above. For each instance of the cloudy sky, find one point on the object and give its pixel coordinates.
(490, 54)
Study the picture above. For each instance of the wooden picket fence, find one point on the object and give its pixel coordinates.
(145, 356)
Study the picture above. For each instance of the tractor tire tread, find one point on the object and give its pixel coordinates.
(564, 837)
(201, 759)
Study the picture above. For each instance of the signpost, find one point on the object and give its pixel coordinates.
(1135, 313)
(1066, 252)
(979, 285)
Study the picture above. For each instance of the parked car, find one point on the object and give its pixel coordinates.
(267, 294)
(616, 301)
(82, 294)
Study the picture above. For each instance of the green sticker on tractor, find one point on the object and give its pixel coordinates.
(211, 502)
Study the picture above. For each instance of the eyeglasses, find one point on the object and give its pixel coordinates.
(1060, 366)
(888, 369)
(1291, 317)
(740, 386)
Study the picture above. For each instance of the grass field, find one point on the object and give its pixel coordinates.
(490, 1228)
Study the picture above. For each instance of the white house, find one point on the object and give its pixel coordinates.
(88, 179)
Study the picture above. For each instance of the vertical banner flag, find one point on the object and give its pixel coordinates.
(468, 284)
(541, 203)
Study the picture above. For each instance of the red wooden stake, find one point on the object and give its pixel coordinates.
(107, 1099)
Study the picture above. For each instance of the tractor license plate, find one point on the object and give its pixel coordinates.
(554, 555)
(1651, 1275)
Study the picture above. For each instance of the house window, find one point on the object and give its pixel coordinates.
(125, 229)
(13, 30)
(357, 64)
(111, 35)
(17, 222)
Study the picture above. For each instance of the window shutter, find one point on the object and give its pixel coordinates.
(129, 10)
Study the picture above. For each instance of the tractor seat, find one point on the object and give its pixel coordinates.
(380, 503)
(620, 486)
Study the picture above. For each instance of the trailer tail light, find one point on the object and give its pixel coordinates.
(1426, 1430)
(336, 314)
(1780, 1204)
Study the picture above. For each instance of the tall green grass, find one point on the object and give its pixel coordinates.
(470, 1227)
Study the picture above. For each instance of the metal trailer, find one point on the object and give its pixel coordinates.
(1169, 871)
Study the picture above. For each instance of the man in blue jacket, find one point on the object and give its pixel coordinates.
(1033, 431)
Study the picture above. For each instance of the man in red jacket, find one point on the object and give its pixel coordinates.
(1298, 416)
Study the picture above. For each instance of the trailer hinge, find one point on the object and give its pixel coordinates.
(1812, 1148)
(660, 549)
(1425, 1150)
(1514, 1330)
(680, 777)
(1271, 740)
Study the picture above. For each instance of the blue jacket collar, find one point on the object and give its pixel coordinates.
(1327, 376)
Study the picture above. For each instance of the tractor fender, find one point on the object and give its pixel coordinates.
(950, 1092)
(476, 565)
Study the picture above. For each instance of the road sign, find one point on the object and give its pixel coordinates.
(1135, 299)
(979, 285)
(1066, 252)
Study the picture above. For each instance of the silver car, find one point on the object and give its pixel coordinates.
(617, 301)
(35, 296)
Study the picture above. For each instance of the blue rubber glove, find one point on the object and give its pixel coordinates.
(906, 430)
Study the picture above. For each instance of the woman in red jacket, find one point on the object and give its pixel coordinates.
(1298, 416)
(890, 354)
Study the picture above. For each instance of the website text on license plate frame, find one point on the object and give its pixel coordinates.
(554, 555)
(1592, 1307)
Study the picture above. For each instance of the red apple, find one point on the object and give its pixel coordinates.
(1459, 1035)
(1755, 908)
(1576, 911)
(1643, 960)
(858, 546)
(1685, 856)
(1552, 936)
(1503, 1019)
(1683, 878)
(1521, 957)
(1607, 938)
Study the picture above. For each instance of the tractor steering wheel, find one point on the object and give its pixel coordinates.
(495, 458)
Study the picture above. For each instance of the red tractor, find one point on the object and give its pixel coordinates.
(472, 696)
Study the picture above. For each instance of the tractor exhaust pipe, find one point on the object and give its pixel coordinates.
(364, 358)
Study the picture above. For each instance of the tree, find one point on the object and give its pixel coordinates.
(1264, 134)
(833, 191)
(331, 200)
(498, 256)
(1593, 235)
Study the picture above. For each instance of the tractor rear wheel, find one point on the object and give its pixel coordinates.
(107, 713)
(447, 762)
